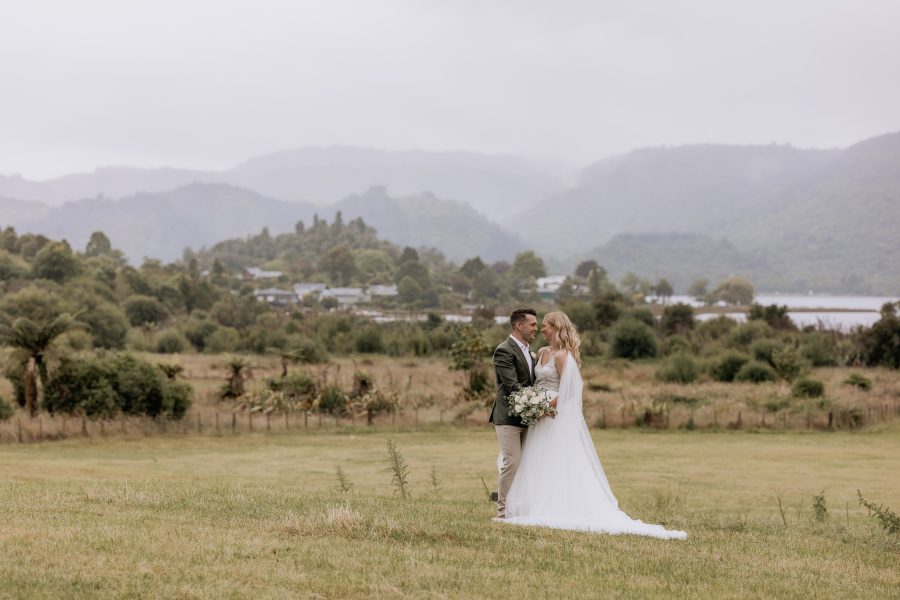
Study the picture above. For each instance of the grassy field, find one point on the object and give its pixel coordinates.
(261, 515)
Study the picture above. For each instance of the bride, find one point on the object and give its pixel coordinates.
(560, 483)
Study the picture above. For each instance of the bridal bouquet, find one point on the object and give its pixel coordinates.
(530, 404)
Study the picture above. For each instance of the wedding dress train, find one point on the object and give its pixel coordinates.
(560, 483)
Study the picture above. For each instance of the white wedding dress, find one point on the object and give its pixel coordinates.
(560, 483)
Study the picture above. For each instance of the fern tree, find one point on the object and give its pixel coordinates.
(31, 342)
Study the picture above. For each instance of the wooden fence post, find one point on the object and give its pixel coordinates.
(217, 421)
(233, 422)
(287, 425)
(250, 420)
(40, 428)
(84, 426)
(19, 428)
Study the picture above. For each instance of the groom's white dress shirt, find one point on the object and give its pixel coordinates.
(526, 351)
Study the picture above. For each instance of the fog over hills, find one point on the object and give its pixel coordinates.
(493, 185)
(789, 219)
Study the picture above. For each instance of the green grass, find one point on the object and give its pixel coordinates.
(261, 515)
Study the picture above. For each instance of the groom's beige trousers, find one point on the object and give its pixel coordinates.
(511, 439)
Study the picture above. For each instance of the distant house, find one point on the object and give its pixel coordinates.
(346, 296)
(304, 289)
(383, 291)
(255, 274)
(547, 286)
(276, 297)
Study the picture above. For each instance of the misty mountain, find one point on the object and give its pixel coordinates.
(497, 186)
(161, 225)
(798, 219)
(425, 220)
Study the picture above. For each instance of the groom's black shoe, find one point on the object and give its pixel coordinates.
(495, 496)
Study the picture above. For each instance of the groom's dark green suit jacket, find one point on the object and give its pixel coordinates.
(511, 369)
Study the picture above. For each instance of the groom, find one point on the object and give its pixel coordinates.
(514, 369)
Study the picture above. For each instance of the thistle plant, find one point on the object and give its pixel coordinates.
(399, 468)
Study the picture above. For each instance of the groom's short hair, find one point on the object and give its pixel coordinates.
(519, 315)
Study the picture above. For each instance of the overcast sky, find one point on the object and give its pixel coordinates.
(208, 83)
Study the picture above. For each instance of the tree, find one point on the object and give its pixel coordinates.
(340, 264)
(664, 290)
(409, 290)
(734, 290)
(472, 267)
(598, 282)
(698, 290)
(98, 245)
(144, 310)
(677, 318)
(30, 342)
(56, 262)
(585, 268)
(528, 265)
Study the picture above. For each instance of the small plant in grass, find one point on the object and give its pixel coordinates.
(6, 409)
(435, 484)
(344, 485)
(887, 518)
(820, 510)
(808, 388)
(399, 469)
(755, 372)
(487, 491)
(860, 381)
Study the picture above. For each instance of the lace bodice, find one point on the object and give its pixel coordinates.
(547, 376)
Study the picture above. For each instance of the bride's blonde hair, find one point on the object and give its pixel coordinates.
(566, 334)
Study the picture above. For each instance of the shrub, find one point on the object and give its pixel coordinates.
(716, 329)
(675, 344)
(7, 410)
(369, 340)
(108, 325)
(818, 349)
(747, 333)
(860, 381)
(756, 372)
(138, 341)
(728, 365)
(680, 368)
(880, 344)
(143, 310)
(633, 339)
(197, 331)
(224, 339)
(108, 384)
(642, 314)
(171, 341)
(808, 388)
(788, 363)
(677, 318)
(762, 350)
(333, 400)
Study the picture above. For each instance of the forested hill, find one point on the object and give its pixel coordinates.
(799, 219)
(161, 225)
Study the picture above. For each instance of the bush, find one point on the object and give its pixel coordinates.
(762, 350)
(333, 401)
(818, 349)
(747, 333)
(756, 372)
(105, 385)
(197, 331)
(171, 341)
(860, 381)
(677, 318)
(808, 388)
(681, 368)
(633, 339)
(144, 310)
(138, 341)
(675, 344)
(369, 340)
(642, 314)
(788, 363)
(222, 340)
(7, 410)
(716, 329)
(728, 365)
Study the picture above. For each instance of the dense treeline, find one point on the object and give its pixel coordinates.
(57, 305)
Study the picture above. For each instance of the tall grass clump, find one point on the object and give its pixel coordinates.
(756, 372)
(727, 366)
(808, 388)
(680, 368)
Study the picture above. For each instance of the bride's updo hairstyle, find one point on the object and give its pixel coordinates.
(566, 334)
